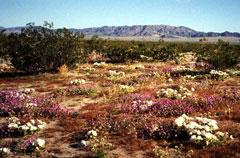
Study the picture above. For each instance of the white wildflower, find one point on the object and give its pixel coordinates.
(5, 150)
(13, 125)
(149, 103)
(207, 128)
(170, 80)
(101, 64)
(24, 127)
(40, 142)
(77, 82)
(201, 130)
(191, 125)
(32, 121)
(221, 134)
(193, 137)
(209, 135)
(83, 143)
(33, 128)
(92, 133)
(180, 121)
(199, 138)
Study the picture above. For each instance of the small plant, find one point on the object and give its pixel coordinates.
(89, 70)
(218, 75)
(137, 67)
(202, 131)
(77, 82)
(25, 128)
(146, 58)
(179, 93)
(92, 133)
(96, 143)
(31, 145)
(112, 74)
(99, 65)
(28, 90)
(233, 72)
(126, 89)
(161, 152)
(63, 69)
(101, 154)
(189, 77)
(160, 131)
(74, 91)
(4, 151)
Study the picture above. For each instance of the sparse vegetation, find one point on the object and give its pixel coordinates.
(43, 49)
(118, 98)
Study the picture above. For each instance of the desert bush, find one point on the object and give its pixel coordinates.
(117, 53)
(165, 53)
(95, 57)
(40, 49)
(224, 56)
(43, 49)
(220, 55)
(3, 38)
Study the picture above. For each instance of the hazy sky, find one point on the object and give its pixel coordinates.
(201, 15)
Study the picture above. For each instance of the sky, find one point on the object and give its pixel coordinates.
(201, 15)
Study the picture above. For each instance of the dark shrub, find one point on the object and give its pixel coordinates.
(43, 49)
(2, 41)
(224, 56)
(163, 53)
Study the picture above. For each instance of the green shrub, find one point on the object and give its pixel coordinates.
(43, 49)
(3, 39)
(164, 53)
(224, 56)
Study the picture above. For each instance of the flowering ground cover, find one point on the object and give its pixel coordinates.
(122, 110)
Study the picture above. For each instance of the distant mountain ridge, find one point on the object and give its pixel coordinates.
(142, 30)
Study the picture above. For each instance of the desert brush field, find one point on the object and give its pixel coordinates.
(141, 109)
(62, 95)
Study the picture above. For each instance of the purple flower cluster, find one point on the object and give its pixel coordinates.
(167, 69)
(53, 110)
(133, 102)
(16, 103)
(27, 144)
(164, 107)
(134, 97)
(171, 107)
(137, 103)
(207, 102)
(13, 102)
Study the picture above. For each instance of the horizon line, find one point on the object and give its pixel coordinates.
(127, 26)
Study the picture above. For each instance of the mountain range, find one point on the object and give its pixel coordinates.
(161, 31)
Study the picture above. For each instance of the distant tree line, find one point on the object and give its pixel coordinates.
(44, 49)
